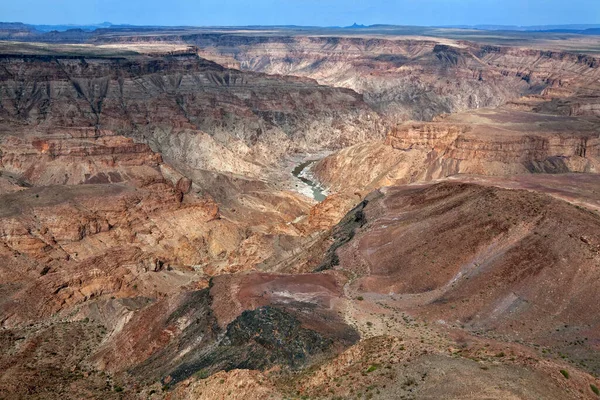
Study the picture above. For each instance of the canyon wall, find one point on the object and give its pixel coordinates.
(499, 142)
(197, 113)
(414, 78)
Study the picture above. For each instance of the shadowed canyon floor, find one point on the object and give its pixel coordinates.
(225, 214)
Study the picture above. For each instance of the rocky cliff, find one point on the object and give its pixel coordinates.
(197, 113)
(497, 142)
(410, 78)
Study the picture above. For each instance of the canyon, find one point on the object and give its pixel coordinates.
(287, 213)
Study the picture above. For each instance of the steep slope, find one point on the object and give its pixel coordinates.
(198, 114)
(510, 264)
(410, 78)
(499, 142)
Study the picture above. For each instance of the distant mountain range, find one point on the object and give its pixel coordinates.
(581, 29)
(59, 28)
(571, 27)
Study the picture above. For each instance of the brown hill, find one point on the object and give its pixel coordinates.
(512, 264)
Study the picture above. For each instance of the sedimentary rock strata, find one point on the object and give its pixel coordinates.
(484, 142)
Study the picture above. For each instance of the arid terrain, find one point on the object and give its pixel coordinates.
(163, 233)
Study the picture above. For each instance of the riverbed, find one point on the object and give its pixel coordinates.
(302, 172)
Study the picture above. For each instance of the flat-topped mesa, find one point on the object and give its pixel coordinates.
(485, 142)
(524, 148)
(424, 136)
(468, 147)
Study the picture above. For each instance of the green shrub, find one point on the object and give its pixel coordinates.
(360, 298)
(372, 368)
(118, 389)
(565, 373)
(595, 389)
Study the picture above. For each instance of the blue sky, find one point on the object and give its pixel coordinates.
(302, 12)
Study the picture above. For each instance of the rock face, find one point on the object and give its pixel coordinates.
(531, 143)
(77, 156)
(258, 339)
(198, 114)
(412, 79)
(64, 246)
(497, 142)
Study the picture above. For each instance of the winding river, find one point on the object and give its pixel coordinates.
(301, 172)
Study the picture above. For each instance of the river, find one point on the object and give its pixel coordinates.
(301, 172)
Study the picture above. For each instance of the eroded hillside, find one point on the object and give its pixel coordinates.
(405, 78)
